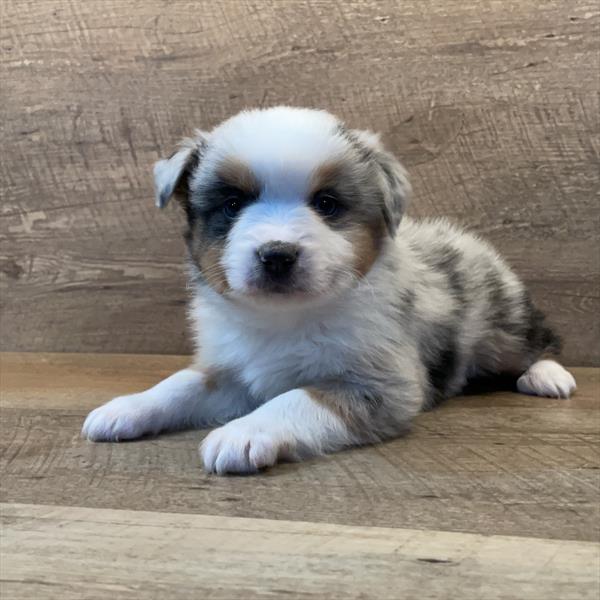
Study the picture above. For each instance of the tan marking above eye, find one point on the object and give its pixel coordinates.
(236, 173)
(325, 176)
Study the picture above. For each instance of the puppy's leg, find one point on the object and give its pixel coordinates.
(302, 423)
(188, 398)
(520, 342)
(547, 378)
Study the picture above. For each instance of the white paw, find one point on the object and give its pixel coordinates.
(124, 418)
(241, 446)
(547, 378)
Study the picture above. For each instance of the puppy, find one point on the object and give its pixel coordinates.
(322, 318)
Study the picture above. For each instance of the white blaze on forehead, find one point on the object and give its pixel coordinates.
(282, 146)
(282, 220)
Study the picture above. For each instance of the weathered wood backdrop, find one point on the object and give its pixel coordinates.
(492, 105)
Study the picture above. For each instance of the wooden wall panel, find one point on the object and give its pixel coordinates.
(492, 105)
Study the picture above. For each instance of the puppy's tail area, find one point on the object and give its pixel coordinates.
(538, 337)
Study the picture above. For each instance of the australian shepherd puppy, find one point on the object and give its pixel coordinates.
(323, 319)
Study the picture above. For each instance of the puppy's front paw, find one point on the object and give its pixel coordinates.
(124, 418)
(241, 446)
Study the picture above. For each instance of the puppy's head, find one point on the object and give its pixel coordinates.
(284, 204)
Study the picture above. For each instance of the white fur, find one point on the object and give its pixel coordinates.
(261, 139)
(128, 417)
(181, 400)
(276, 347)
(287, 426)
(287, 220)
(547, 378)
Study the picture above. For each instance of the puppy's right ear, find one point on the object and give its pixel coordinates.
(171, 175)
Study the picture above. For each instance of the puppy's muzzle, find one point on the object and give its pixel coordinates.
(278, 259)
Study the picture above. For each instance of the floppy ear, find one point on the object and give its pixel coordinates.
(393, 179)
(171, 175)
(396, 190)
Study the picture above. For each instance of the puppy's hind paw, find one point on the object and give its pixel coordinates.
(547, 378)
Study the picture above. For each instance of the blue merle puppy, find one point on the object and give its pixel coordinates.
(323, 317)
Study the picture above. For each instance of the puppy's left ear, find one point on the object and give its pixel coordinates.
(396, 190)
(171, 175)
(393, 179)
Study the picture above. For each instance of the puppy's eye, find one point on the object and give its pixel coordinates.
(232, 206)
(325, 203)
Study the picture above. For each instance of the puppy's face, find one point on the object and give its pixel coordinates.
(284, 204)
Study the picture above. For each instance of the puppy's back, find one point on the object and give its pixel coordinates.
(474, 313)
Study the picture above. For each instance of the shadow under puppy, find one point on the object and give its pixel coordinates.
(322, 318)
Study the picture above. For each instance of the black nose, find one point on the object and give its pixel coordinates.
(278, 258)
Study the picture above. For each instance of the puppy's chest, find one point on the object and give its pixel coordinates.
(273, 361)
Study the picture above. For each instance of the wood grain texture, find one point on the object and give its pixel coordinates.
(127, 554)
(492, 105)
(502, 464)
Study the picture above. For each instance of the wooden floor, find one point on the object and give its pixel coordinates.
(493, 496)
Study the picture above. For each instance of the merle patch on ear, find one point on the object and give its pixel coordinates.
(396, 190)
(171, 175)
(394, 181)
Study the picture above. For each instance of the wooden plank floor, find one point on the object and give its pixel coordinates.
(490, 496)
